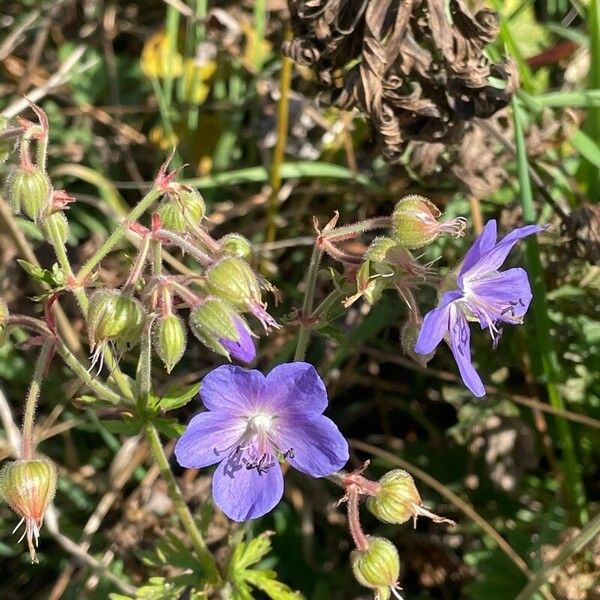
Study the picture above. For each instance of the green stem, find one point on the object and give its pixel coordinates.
(53, 234)
(32, 397)
(144, 369)
(573, 486)
(360, 227)
(118, 234)
(592, 125)
(590, 532)
(186, 246)
(187, 520)
(309, 293)
(283, 116)
(260, 26)
(99, 388)
(138, 265)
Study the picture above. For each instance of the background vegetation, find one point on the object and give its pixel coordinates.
(124, 82)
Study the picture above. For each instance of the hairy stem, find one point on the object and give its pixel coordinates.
(309, 293)
(41, 365)
(187, 520)
(360, 539)
(118, 234)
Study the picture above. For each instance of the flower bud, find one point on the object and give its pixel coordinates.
(57, 221)
(236, 245)
(170, 340)
(408, 338)
(219, 327)
(233, 280)
(415, 222)
(378, 566)
(397, 500)
(114, 316)
(28, 486)
(29, 191)
(378, 249)
(184, 206)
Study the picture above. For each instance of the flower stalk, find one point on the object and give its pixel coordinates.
(41, 366)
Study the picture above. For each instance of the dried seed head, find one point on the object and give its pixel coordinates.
(28, 486)
(170, 339)
(236, 245)
(116, 317)
(415, 222)
(378, 566)
(183, 206)
(29, 191)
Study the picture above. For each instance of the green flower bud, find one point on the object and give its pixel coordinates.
(408, 338)
(397, 500)
(57, 221)
(415, 222)
(29, 191)
(116, 317)
(378, 249)
(236, 245)
(378, 566)
(219, 327)
(28, 486)
(182, 207)
(234, 281)
(170, 339)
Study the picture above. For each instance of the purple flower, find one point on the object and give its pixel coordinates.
(242, 349)
(252, 424)
(483, 294)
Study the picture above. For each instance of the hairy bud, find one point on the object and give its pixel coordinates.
(170, 339)
(29, 191)
(236, 245)
(114, 316)
(378, 566)
(28, 486)
(58, 222)
(408, 338)
(415, 222)
(183, 206)
(219, 327)
(398, 500)
(378, 249)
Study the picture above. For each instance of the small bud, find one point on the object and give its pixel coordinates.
(219, 327)
(236, 245)
(233, 280)
(378, 249)
(183, 206)
(398, 500)
(114, 316)
(28, 486)
(408, 338)
(29, 191)
(415, 222)
(58, 222)
(170, 340)
(378, 566)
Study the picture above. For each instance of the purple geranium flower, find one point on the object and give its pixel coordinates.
(485, 295)
(252, 424)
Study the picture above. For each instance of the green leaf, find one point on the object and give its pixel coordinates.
(266, 582)
(126, 426)
(248, 554)
(177, 397)
(168, 427)
(587, 147)
(39, 274)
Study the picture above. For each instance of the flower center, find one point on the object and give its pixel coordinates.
(260, 424)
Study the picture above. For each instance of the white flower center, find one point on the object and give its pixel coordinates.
(260, 423)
